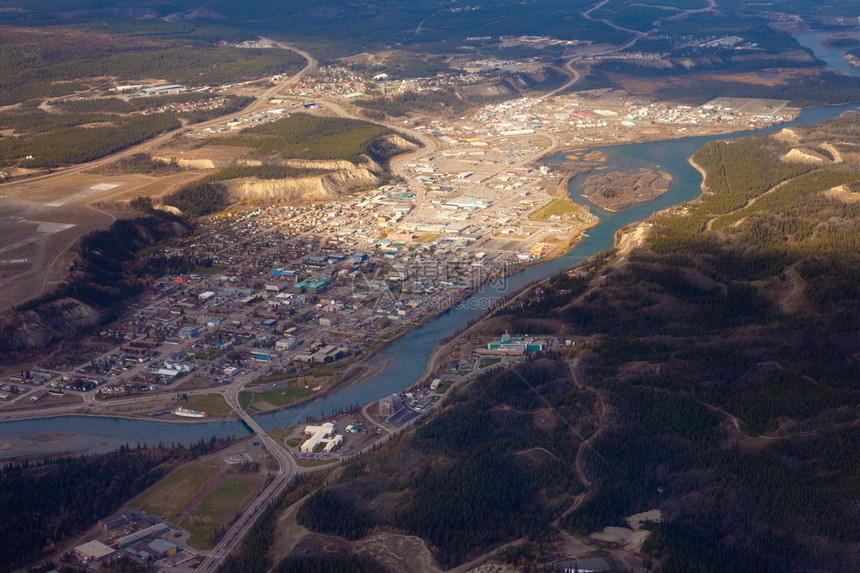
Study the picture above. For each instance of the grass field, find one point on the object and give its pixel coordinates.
(489, 362)
(556, 207)
(277, 397)
(225, 499)
(245, 400)
(280, 434)
(212, 404)
(201, 531)
(444, 387)
(170, 496)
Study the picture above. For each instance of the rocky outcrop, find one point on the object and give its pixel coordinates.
(802, 156)
(169, 209)
(33, 330)
(188, 163)
(325, 164)
(402, 145)
(320, 187)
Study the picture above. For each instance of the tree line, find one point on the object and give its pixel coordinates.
(48, 501)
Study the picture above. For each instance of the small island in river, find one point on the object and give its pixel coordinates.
(619, 190)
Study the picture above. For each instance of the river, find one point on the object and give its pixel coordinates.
(403, 362)
(833, 57)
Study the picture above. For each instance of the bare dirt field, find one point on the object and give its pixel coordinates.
(770, 77)
(43, 218)
(208, 157)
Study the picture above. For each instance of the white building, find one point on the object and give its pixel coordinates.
(324, 434)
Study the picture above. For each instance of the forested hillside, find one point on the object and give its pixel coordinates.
(38, 63)
(717, 384)
(305, 136)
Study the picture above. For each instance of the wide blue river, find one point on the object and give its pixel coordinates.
(403, 362)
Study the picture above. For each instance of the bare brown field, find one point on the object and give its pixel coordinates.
(769, 77)
(217, 154)
(42, 219)
(35, 255)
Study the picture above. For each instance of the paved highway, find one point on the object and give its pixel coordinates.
(261, 102)
(286, 471)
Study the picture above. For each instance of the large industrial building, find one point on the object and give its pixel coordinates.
(133, 538)
(516, 346)
(162, 548)
(95, 551)
(164, 90)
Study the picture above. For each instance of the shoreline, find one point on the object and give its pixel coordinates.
(701, 171)
(440, 349)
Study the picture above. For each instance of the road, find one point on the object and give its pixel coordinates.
(19, 189)
(636, 36)
(287, 467)
(259, 103)
(286, 471)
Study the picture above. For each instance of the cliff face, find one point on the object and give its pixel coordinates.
(343, 177)
(188, 163)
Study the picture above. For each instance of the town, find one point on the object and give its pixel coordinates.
(289, 299)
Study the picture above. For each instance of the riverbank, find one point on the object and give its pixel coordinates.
(701, 170)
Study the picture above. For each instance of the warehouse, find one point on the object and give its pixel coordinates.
(113, 522)
(164, 90)
(95, 551)
(162, 548)
(156, 529)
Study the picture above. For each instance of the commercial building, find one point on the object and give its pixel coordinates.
(314, 286)
(260, 354)
(164, 90)
(204, 296)
(387, 406)
(286, 344)
(133, 538)
(468, 203)
(95, 551)
(191, 331)
(328, 353)
(162, 548)
(324, 434)
(328, 319)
